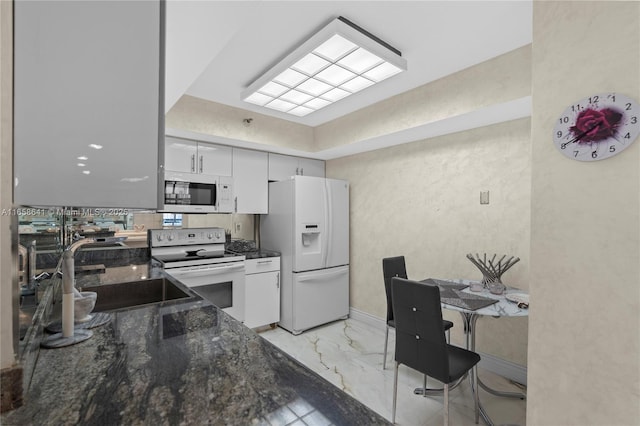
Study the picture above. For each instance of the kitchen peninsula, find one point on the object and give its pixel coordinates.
(178, 362)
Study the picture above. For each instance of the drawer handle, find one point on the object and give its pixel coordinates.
(265, 261)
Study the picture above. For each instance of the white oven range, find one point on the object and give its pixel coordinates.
(196, 257)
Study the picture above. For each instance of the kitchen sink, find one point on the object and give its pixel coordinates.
(135, 293)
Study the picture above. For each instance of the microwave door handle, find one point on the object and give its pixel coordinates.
(193, 163)
(201, 163)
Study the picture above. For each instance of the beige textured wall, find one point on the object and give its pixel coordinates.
(422, 200)
(7, 257)
(202, 116)
(504, 78)
(584, 356)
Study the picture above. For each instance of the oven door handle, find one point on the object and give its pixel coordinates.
(205, 271)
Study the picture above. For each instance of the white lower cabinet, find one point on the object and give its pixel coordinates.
(262, 292)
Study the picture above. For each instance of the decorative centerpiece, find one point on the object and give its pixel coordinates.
(492, 271)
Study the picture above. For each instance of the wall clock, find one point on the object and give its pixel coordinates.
(597, 127)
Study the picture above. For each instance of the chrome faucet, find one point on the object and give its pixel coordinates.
(68, 285)
(23, 255)
(32, 266)
(70, 335)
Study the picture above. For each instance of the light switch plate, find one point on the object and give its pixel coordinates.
(484, 197)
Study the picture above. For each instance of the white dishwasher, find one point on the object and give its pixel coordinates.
(262, 292)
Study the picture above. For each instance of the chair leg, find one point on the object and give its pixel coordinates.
(395, 394)
(446, 404)
(386, 341)
(476, 399)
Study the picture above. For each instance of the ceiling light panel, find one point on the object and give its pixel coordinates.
(338, 61)
(359, 61)
(335, 48)
(311, 64)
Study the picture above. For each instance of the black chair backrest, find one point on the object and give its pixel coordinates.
(420, 340)
(392, 267)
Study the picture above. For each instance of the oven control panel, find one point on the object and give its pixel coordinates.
(185, 237)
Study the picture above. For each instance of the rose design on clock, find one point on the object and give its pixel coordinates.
(597, 127)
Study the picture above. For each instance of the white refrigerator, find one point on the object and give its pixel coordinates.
(308, 223)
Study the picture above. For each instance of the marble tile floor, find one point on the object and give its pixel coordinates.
(349, 355)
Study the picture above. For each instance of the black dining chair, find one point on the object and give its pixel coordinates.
(420, 340)
(396, 267)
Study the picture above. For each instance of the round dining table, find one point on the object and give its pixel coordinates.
(456, 295)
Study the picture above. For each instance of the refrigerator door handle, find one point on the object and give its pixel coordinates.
(327, 224)
(310, 277)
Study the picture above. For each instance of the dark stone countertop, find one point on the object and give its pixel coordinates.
(177, 362)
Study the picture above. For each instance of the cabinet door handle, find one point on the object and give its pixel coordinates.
(235, 208)
(201, 159)
(302, 171)
(297, 169)
(278, 280)
(193, 163)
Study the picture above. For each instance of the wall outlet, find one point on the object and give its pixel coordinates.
(238, 227)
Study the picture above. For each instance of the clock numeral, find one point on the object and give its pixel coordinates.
(627, 136)
(576, 108)
(594, 154)
(559, 134)
(612, 148)
(564, 120)
(634, 120)
(628, 106)
(594, 99)
(575, 153)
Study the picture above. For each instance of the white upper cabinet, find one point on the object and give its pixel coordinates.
(187, 156)
(215, 159)
(311, 167)
(180, 155)
(282, 167)
(250, 181)
(88, 103)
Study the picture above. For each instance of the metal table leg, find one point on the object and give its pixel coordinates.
(517, 395)
(472, 340)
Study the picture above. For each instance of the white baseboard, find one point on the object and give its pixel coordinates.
(504, 368)
(368, 319)
(497, 365)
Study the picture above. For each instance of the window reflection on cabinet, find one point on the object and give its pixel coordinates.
(55, 227)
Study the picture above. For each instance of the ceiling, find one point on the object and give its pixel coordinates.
(215, 49)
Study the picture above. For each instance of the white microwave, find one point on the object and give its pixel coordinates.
(191, 193)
